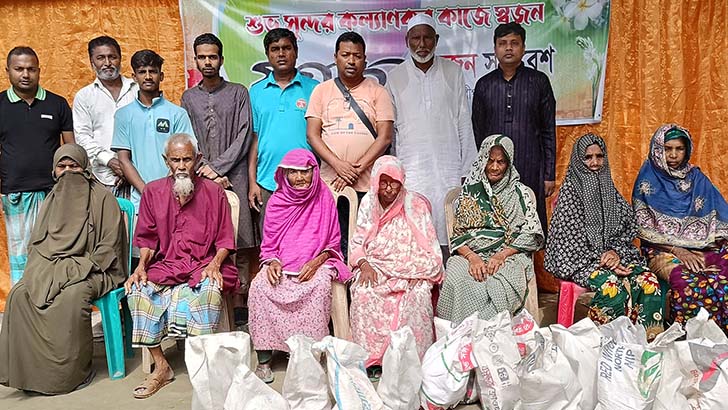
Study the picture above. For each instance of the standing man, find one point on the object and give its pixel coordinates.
(142, 127)
(93, 111)
(32, 123)
(221, 117)
(518, 101)
(280, 98)
(349, 123)
(433, 132)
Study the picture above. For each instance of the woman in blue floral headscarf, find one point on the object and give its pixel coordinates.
(683, 223)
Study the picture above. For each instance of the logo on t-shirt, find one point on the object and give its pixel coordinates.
(301, 104)
(162, 125)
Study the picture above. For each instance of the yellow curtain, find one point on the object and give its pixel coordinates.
(667, 62)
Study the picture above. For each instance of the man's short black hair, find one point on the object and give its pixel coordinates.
(21, 51)
(509, 28)
(277, 34)
(103, 41)
(143, 58)
(350, 37)
(208, 38)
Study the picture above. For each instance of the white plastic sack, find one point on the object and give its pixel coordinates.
(524, 330)
(547, 380)
(305, 386)
(401, 379)
(446, 367)
(630, 371)
(580, 344)
(668, 395)
(348, 379)
(211, 364)
(497, 356)
(248, 392)
(701, 326)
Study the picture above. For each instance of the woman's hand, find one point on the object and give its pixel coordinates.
(310, 268)
(695, 263)
(367, 276)
(622, 271)
(609, 260)
(275, 270)
(494, 263)
(477, 267)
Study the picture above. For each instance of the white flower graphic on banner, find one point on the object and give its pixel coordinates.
(581, 11)
(594, 62)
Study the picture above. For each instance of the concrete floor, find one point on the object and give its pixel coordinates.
(104, 393)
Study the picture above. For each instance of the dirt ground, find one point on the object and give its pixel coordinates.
(104, 393)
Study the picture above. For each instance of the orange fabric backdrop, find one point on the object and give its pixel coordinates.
(667, 62)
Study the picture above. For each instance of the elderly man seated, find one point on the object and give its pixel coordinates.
(77, 253)
(185, 236)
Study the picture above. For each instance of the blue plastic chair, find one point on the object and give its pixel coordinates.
(117, 340)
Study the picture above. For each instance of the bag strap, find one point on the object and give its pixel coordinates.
(354, 106)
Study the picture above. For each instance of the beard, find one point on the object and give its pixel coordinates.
(425, 59)
(183, 185)
(103, 75)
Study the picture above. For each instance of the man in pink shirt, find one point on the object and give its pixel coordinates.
(185, 236)
(346, 143)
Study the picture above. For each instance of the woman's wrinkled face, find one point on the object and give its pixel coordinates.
(299, 178)
(67, 164)
(675, 152)
(594, 158)
(497, 165)
(388, 190)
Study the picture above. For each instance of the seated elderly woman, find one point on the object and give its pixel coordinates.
(495, 232)
(397, 260)
(300, 256)
(77, 253)
(590, 242)
(683, 223)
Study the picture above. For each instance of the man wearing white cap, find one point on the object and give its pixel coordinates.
(433, 131)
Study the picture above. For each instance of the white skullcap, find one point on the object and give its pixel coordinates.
(421, 18)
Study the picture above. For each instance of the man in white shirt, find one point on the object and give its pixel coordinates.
(433, 131)
(93, 111)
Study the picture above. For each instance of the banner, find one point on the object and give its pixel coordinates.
(566, 39)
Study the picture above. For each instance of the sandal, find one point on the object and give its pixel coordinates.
(374, 373)
(151, 385)
(265, 373)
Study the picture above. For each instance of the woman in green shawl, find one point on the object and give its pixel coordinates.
(77, 253)
(495, 232)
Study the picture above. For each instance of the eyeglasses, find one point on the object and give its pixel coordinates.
(393, 184)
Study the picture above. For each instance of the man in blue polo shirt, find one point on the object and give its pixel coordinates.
(32, 123)
(279, 104)
(142, 127)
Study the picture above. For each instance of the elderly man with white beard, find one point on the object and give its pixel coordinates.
(93, 112)
(433, 131)
(185, 237)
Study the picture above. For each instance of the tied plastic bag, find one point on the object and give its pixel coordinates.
(668, 395)
(497, 356)
(630, 370)
(524, 330)
(305, 386)
(580, 345)
(248, 392)
(348, 379)
(547, 380)
(211, 364)
(443, 328)
(446, 367)
(704, 363)
(401, 372)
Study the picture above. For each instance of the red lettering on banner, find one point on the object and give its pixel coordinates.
(465, 61)
(502, 14)
(254, 25)
(520, 13)
(481, 17)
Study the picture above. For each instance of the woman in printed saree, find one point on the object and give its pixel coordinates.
(77, 253)
(397, 260)
(683, 223)
(496, 229)
(590, 242)
(300, 256)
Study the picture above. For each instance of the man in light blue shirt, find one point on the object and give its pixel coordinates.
(142, 127)
(279, 104)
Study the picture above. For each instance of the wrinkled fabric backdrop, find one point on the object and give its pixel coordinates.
(667, 62)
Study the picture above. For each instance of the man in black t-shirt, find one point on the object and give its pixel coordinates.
(32, 123)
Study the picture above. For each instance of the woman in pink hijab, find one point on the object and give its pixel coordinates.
(397, 259)
(300, 255)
